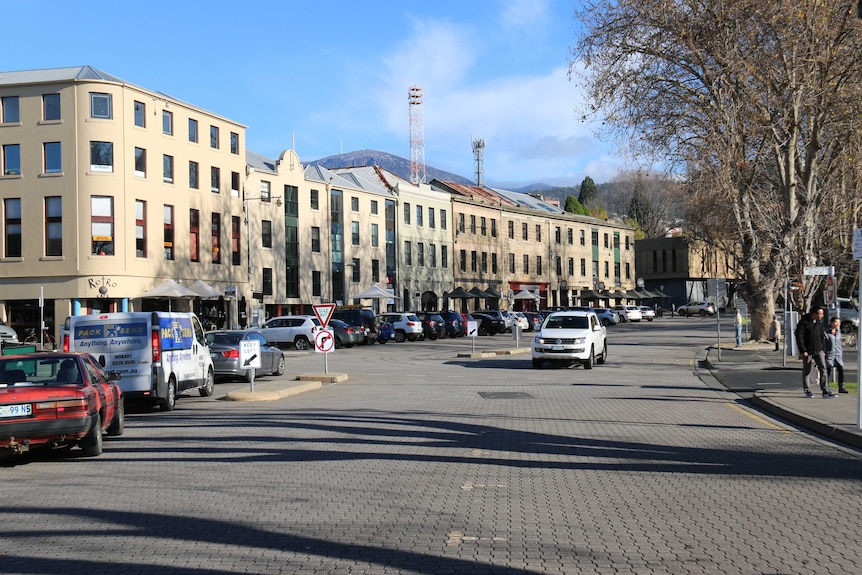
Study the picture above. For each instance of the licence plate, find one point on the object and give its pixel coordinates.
(557, 348)
(17, 410)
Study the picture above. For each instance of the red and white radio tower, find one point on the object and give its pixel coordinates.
(417, 135)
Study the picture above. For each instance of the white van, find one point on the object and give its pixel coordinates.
(159, 354)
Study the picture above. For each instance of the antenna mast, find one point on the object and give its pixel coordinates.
(479, 154)
(417, 135)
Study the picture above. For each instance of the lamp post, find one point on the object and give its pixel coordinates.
(245, 200)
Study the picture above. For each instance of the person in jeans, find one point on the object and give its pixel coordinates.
(835, 353)
(811, 339)
(737, 323)
(775, 331)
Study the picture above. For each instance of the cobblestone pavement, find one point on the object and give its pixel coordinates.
(425, 463)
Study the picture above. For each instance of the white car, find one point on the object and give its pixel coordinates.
(7, 334)
(286, 330)
(406, 325)
(647, 312)
(629, 312)
(520, 319)
(571, 336)
(701, 308)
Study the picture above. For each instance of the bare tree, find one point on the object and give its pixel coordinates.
(756, 102)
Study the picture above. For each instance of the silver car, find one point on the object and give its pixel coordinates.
(225, 351)
(7, 334)
(571, 337)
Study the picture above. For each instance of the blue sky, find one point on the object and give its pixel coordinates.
(333, 75)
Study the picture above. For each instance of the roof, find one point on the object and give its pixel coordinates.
(260, 163)
(70, 74)
(473, 192)
(318, 173)
(528, 201)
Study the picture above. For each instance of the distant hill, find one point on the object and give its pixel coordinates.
(395, 164)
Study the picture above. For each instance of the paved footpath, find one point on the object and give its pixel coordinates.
(426, 463)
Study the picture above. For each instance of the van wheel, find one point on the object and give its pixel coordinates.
(170, 402)
(588, 363)
(604, 357)
(207, 389)
(91, 445)
(300, 343)
(400, 336)
(279, 369)
(118, 425)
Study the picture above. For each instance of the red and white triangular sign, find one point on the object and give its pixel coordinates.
(323, 311)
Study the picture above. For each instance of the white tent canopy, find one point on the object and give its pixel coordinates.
(374, 292)
(169, 290)
(204, 290)
(524, 294)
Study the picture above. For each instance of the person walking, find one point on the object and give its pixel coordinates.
(811, 339)
(775, 331)
(835, 353)
(737, 323)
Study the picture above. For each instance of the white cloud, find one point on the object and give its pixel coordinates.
(517, 14)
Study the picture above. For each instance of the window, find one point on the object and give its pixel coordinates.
(584, 267)
(266, 233)
(493, 227)
(461, 226)
(559, 261)
(607, 270)
(356, 271)
(583, 237)
(484, 262)
(627, 243)
(444, 256)
(524, 233)
(140, 114)
(419, 211)
(234, 143)
(375, 271)
(570, 236)
(616, 240)
(538, 265)
(11, 113)
(235, 255)
(215, 177)
(374, 207)
(215, 234)
(12, 227)
(431, 223)
(472, 224)
(606, 240)
(140, 228)
(443, 223)
(473, 262)
(483, 226)
(234, 184)
(102, 225)
(407, 213)
(594, 237)
(101, 156)
(462, 263)
(511, 263)
(354, 233)
(194, 235)
(51, 107)
(538, 233)
(100, 106)
(511, 226)
(265, 191)
(494, 264)
(408, 253)
(432, 255)
(267, 281)
(168, 169)
(214, 137)
(315, 239)
(169, 232)
(420, 254)
(167, 123)
(316, 289)
(375, 235)
(12, 160)
(140, 162)
(354, 204)
(314, 199)
(617, 280)
(628, 271)
(526, 262)
(194, 175)
(558, 235)
(193, 131)
(53, 157)
(291, 201)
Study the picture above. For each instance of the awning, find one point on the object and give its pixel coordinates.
(524, 294)
(461, 293)
(205, 290)
(479, 293)
(590, 294)
(375, 292)
(491, 291)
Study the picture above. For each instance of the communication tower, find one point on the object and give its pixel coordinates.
(417, 135)
(479, 154)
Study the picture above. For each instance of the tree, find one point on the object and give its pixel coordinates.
(753, 102)
(573, 206)
(588, 191)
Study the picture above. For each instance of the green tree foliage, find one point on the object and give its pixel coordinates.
(573, 206)
(588, 191)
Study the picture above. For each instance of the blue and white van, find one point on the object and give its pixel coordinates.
(159, 354)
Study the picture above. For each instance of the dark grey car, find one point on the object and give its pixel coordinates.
(225, 351)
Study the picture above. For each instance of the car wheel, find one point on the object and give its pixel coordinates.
(702, 313)
(604, 357)
(279, 368)
(588, 363)
(537, 363)
(338, 344)
(606, 322)
(170, 401)
(91, 444)
(414, 337)
(118, 425)
(400, 336)
(207, 389)
(301, 343)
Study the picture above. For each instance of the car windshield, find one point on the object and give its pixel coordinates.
(567, 322)
(39, 371)
(224, 338)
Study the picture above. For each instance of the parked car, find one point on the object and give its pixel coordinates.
(225, 351)
(701, 308)
(628, 312)
(849, 314)
(488, 324)
(607, 316)
(520, 319)
(433, 325)
(7, 334)
(504, 315)
(534, 320)
(407, 325)
(454, 322)
(290, 330)
(58, 400)
(647, 312)
(347, 335)
(358, 317)
(570, 336)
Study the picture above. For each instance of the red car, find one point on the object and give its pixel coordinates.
(57, 400)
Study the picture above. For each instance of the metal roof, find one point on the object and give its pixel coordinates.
(70, 74)
(318, 173)
(528, 201)
(260, 163)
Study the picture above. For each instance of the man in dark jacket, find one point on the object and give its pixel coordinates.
(811, 338)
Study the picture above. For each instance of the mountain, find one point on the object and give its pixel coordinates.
(395, 164)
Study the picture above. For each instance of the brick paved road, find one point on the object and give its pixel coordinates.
(426, 463)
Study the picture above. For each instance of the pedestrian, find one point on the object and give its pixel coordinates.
(811, 339)
(737, 323)
(672, 309)
(775, 331)
(835, 353)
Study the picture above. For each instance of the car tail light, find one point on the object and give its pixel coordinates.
(231, 354)
(156, 345)
(65, 343)
(63, 407)
(410, 324)
(348, 331)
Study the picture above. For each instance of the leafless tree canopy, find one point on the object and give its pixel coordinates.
(756, 103)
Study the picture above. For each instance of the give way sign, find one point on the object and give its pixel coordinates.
(323, 311)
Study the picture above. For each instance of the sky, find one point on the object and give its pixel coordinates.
(333, 76)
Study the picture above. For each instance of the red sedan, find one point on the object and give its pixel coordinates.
(57, 400)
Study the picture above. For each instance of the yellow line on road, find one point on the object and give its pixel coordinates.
(758, 419)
